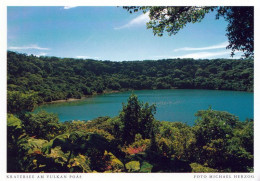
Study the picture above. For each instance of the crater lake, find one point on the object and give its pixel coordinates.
(171, 105)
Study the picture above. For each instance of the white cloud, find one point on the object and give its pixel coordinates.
(86, 57)
(40, 54)
(69, 7)
(201, 55)
(35, 47)
(218, 46)
(139, 20)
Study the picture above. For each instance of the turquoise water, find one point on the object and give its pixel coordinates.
(172, 105)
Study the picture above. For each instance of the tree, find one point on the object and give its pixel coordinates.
(130, 116)
(18, 102)
(137, 118)
(42, 125)
(220, 141)
(240, 29)
(14, 133)
(146, 124)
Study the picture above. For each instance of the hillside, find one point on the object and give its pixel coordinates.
(50, 78)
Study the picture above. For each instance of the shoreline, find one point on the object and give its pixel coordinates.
(83, 97)
(65, 100)
(113, 91)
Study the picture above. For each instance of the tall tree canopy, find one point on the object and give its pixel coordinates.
(240, 29)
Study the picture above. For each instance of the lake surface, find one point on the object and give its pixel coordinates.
(172, 105)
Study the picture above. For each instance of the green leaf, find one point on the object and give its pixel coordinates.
(133, 166)
(198, 168)
(146, 167)
(13, 121)
(81, 163)
(115, 162)
(58, 156)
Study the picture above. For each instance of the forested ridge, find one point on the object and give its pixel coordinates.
(133, 141)
(45, 79)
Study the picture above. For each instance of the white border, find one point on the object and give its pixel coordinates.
(129, 2)
(3, 40)
(130, 177)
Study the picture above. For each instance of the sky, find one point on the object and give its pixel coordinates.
(109, 33)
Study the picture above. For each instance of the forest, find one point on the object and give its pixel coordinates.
(133, 141)
(35, 80)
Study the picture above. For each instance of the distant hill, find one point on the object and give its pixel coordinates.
(55, 78)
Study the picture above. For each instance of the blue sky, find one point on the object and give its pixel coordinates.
(109, 33)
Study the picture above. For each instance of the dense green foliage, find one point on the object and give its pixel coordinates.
(171, 19)
(33, 80)
(19, 101)
(131, 142)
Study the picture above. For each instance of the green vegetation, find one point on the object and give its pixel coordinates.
(33, 80)
(131, 142)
